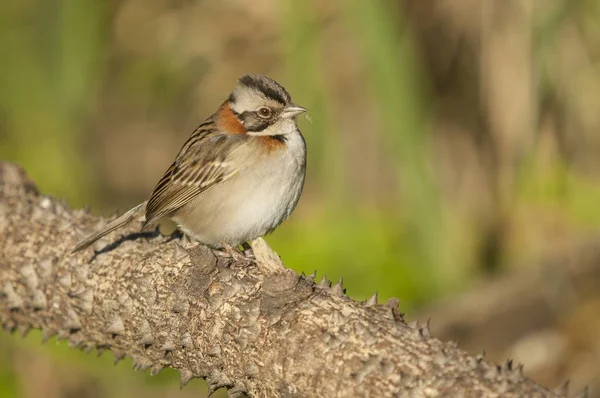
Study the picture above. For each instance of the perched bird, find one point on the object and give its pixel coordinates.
(238, 176)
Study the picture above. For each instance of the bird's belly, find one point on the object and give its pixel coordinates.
(245, 207)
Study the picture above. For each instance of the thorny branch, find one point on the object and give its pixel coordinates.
(256, 328)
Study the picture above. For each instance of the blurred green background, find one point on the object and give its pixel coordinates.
(450, 142)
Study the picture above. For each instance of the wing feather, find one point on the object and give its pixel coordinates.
(202, 163)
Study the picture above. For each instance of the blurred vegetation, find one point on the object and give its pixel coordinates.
(447, 140)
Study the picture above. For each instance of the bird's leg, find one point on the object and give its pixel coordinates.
(231, 251)
(175, 235)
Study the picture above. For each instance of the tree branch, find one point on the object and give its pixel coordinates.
(255, 328)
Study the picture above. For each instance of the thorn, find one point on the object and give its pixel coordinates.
(168, 346)
(141, 363)
(441, 358)
(181, 305)
(393, 303)
(186, 376)
(324, 282)
(85, 300)
(14, 301)
(45, 268)
(312, 276)
(517, 373)
(9, 326)
(125, 300)
(480, 356)
(492, 372)
(179, 251)
(76, 293)
(407, 379)
(338, 288)
(65, 280)
(217, 380)
(75, 341)
(145, 334)
(63, 335)
(303, 275)
(30, 278)
(72, 322)
(238, 391)
(155, 369)
(251, 370)
(509, 364)
(563, 389)
(47, 334)
(187, 342)
(39, 301)
(422, 332)
(82, 272)
(24, 330)
(215, 351)
(119, 355)
(426, 330)
(418, 330)
(371, 301)
(116, 327)
(521, 368)
(144, 283)
(584, 393)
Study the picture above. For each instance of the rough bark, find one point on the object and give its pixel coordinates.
(255, 328)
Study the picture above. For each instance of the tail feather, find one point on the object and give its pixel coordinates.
(119, 222)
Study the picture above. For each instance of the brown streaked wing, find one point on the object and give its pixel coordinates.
(201, 163)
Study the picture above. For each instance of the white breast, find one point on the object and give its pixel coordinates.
(251, 203)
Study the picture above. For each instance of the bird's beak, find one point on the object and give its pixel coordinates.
(292, 110)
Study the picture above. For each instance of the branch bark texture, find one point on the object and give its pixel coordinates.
(254, 327)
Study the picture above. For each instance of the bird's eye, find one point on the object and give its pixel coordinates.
(264, 112)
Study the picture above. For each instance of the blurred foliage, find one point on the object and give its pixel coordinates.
(443, 136)
(52, 62)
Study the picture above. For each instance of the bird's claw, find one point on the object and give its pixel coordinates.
(232, 252)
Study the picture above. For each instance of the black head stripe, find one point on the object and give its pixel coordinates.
(269, 87)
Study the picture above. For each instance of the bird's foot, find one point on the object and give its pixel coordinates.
(232, 252)
(176, 235)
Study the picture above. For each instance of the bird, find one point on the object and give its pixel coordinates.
(238, 176)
